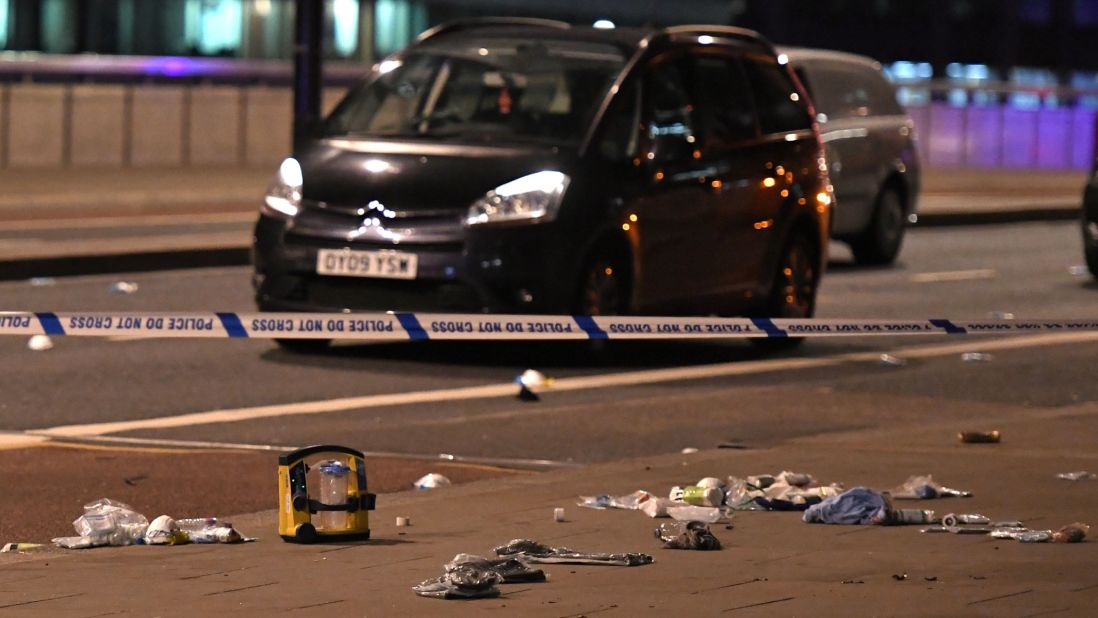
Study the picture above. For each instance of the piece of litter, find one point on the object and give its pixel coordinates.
(40, 343)
(402, 522)
(532, 551)
(931, 578)
(446, 456)
(1001, 315)
(687, 535)
(689, 450)
(42, 282)
(950, 520)
(1078, 270)
(1081, 475)
(853, 581)
(432, 481)
(558, 514)
(124, 287)
(11, 547)
(899, 577)
(689, 512)
(889, 360)
(979, 437)
(976, 357)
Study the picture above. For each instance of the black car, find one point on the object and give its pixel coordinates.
(871, 152)
(1090, 221)
(530, 166)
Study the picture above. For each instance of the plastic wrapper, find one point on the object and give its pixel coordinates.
(431, 481)
(463, 581)
(690, 512)
(109, 522)
(657, 507)
(1079, 475)
(923, 487)
(510, 570)
(216, 534)
(687, 535)
(39, 343)
(534, 552)
(629, 502)
(124, 287)
(785, 491)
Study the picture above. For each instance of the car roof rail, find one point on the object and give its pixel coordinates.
(478, 22)
(722, 32)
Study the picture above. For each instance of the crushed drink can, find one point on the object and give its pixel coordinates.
(903, 517)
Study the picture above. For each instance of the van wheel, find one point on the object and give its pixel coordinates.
(304, 346)
(793, 293)
(603, 287)
(880, 242)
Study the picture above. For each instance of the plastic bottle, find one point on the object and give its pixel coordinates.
(698, 496)
(333, 490)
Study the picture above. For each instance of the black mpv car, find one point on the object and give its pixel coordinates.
(530, 166)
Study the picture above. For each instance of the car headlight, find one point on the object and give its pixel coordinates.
(535, 197)
(283, 197)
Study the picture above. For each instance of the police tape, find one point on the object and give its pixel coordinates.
(439, 326)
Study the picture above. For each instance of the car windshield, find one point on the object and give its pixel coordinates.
(490, 89)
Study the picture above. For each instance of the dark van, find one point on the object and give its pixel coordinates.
(530, 166)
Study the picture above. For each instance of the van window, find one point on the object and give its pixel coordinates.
(726, 114)
(669, 130)
(851, 92)
(780, 108)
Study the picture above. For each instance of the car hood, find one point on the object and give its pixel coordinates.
(416, 176)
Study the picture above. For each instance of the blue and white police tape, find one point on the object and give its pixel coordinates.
(439, 326)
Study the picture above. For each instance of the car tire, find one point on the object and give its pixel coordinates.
(880, 243)
(603, 287)
(793, 292)
(1090, 248)
(303, 346)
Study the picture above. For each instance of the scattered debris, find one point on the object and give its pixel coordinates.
(1000, 315)
(13, 547)
(785, 491)
(109, 522)
(40, 343)
(733, 445)
(465, 581)
(902, 517)
(899, 577)
(446, 456)
(530, 381)
(432, 481)
(403, 522)
(690, 512)
(951, 519)
(860, 505)
(976, 357)
(512, 570)
(853, 581)
(124, 287)
(42, 282)
(932, 578)
(923, 487)
(687, 535)
(689, 450)
(1071, 533)
(979, 437)
(534, 552)
(889, 360)
(698, 495)
(629, 502)
(1081, 475)
(1078, 270)
(558, 514)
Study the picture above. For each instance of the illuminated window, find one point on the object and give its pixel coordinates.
(3, 23)
(214, 27)
(345, 17)
(397, 22)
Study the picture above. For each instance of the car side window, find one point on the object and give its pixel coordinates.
(620, 127)
(780, 108)
(726, 114)
(668, 111)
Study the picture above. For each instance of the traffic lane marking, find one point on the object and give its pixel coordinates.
(956, 275)
(489, 391)
(10, 441)
(123, 222)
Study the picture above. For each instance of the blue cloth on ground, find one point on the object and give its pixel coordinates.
(857, 506)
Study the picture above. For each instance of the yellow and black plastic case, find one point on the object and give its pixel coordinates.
(296, 507)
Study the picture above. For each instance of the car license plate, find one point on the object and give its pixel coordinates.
(378, 264)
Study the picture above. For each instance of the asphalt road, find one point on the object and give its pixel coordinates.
(735, 394)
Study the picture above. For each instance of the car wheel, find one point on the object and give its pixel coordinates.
(793, 293)
(304, 346)
(880, 243)
(1090, 246)
(603, 287)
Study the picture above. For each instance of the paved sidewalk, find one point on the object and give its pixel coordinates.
(771, 562)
